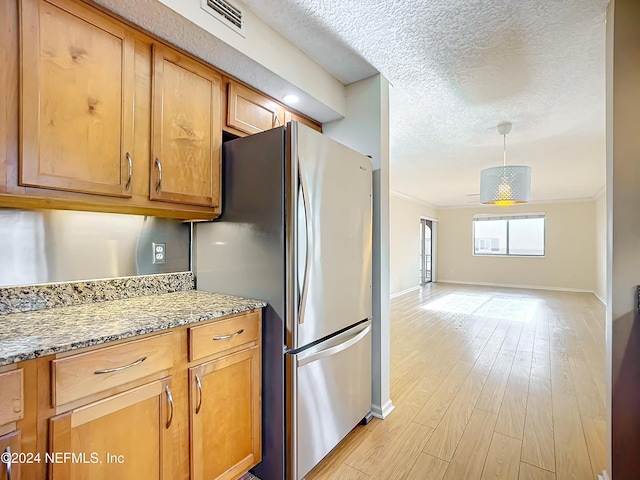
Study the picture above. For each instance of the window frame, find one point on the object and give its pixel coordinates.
(507, 217)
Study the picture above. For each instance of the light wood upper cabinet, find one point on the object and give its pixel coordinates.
(10, 443)
(128, 435)
(76, 99)
(289, 116)
(186, 130)
(251, 112)
(225, 416)
(112, 119)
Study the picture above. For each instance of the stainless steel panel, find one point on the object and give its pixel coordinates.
(335, 230)
(243, 253)
(331, 393)
(40, 246)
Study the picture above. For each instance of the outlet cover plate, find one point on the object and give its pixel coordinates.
(159, 252)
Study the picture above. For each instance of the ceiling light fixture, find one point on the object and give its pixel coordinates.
(291, 99)
(508, 184)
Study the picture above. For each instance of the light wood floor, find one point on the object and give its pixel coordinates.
(487, 383)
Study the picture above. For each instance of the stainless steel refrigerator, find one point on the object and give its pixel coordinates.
(296, 231)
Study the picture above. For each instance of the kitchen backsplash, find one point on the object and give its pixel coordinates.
(43, 246)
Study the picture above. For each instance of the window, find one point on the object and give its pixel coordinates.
(517, 235)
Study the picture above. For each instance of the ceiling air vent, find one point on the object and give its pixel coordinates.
(225, 11)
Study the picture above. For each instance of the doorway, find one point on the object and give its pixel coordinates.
(426, 251)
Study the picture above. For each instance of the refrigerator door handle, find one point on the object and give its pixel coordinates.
(303, 360)
(303, 197)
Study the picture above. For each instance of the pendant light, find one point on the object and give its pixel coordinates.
(508, 184)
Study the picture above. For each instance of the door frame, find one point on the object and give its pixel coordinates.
(434, 229)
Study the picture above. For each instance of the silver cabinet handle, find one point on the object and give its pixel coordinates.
(117, 369)
(8, 463)
(226, 337)
(276, 120)
(170, 400)
(199, 385)
(159, 185)
(130, 160)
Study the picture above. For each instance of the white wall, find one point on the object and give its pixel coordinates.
(366, 129)
(601, 246)
(570, 257)
(404, 241)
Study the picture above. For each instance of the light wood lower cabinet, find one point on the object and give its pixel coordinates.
(11, 396)
(11, 411)
(10, 444)
(225, 416)
(125, 436)
(84, 374)
(162, 418)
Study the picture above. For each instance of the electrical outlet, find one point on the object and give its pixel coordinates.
(159, 252)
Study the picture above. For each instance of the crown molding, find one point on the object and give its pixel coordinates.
(404, 196)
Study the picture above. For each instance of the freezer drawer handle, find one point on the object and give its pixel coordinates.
(226, 337)
(333, 350)
(117, 369)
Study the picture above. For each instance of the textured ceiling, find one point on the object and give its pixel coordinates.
(458, 68)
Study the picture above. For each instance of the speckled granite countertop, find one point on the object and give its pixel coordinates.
(33, 334)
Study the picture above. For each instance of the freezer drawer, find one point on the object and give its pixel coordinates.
(330, 392)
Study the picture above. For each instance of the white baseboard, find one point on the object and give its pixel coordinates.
(604, 476)
(512, 285)
(397, 294)
(600, 298)
(382, 412)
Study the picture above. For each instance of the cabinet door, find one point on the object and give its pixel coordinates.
(124, 436)
(186, 134)
(11, 396)
(77, 99)
(251, 112)
(10, 444)
(290, 116)
(225, 416)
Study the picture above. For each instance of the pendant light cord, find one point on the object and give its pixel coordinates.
(504, 149)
